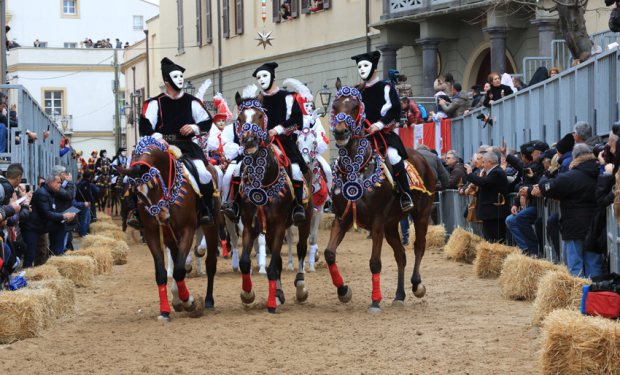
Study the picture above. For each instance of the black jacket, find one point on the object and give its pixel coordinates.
(64, 197)
(492, 194)
(5, 197)
(524, 178)
(458, 175)
(495, 94)
(84, 192)
(575, 190)
(44, 211)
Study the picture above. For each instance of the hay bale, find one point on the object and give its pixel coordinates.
(435, 237)
(490, 258)
(577, 344)
(79, 269)
(119, 249)
(25, 313)
(101, 217)
(101, 226)
(63, 289)
(102, 257)
(461, 245)
(520, 275)
(116, 234)
(43, 272)
(557, 290)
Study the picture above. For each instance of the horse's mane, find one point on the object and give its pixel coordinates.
(249, 92)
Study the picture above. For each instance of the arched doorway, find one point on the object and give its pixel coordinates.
(478, 65)
(485, 68)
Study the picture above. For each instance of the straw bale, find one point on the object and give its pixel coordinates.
(574, 344)
(25, 313)
(101, 217)
(101, 226)
(79, 269)
(520, 275)
(116, 234)
(461, 245)
(490, 258)
(43, 272)
(63, 289)
(118, 248)
(557, 290)
(102, 257)
(435, 237)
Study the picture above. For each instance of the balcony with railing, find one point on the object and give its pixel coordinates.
(402, 8)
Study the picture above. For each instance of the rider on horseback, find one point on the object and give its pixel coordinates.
(383, 112)
(175, 117)
(284, 117)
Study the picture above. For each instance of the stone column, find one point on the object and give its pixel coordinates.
(497, 39)
(429, 64)
(546, 34)
(388, 55)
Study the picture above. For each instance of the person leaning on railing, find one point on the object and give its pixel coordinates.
(497, 90)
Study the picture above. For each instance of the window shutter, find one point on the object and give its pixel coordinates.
(209, 22)
(276, 11)
(326, 4)
(295, 8)
(239, 17)
(199, 22)
(226, 20)
(180, 30)
(305, 6)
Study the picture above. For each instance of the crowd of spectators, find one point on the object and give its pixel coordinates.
(38, 221)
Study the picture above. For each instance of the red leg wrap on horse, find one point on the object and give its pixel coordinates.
(376, 287)
(224, 249)
(246, 283)
(336, 278)
(183, 292)
(164, 306)
(271, 300)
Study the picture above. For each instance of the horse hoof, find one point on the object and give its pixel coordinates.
(289, 267)
(311, 268)
(302, 293)
(209, 304)
(247, 298)
(188, 267)
(398, 303)
(347, 294)
(317, 256)
(420, 291)
(200, 252)
(271, 310)
(235, 269)
(201, 273)
(262, 271)
(374, 308)
(198, 308)
(178, 307)
(190, 304)
(164, 317)
(280, 297)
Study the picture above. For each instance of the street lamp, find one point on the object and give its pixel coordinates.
(189, 88)
(326, 96)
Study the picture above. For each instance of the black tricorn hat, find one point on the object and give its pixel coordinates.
(168, 66)
(373, 57)
(270, 67)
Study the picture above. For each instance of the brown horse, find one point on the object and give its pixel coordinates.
(266, 203)
(362, 196)
(167, 209)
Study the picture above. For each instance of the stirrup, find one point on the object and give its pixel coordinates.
(406, 204)
(207, 219)
(231, 210)
(299, 215)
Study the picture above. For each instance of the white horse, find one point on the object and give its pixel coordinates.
(312, 143)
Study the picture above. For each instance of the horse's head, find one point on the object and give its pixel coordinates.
(251, 124)
(347, 115)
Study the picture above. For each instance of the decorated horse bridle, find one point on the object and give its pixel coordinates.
(171, 189)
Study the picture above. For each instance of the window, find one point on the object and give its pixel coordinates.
(68, 45)
(225, 19)
(285, 10)
(209, 22)
(181, 42)
(42, 44)
(69, 7)
(313, 6)
(239, 17)
(199, 22)
(52, 102)
(138, 22)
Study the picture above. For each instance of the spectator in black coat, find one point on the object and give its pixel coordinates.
(456, 169)
(497, 90)
(575, 190)
(85, 195)
(43, 216)
(492, 206)
(60, 235)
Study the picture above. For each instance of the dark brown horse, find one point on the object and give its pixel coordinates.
(167, 209)
(363, 196)
(266, 203)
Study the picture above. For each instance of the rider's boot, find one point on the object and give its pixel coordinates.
(134, 219)
(231, 207)
(299, 212)
(207, 203)
(400, 176)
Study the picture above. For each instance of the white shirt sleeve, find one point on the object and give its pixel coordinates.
(321, 145)
(213, 143)
(152, 112)
(199, 114)
(228, 134)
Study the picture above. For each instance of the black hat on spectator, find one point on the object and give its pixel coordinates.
(566, 144)
(540, 146)
(549, 153)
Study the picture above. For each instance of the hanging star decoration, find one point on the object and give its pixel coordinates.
(264, 38)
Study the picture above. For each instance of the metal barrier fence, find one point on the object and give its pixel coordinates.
(452, 214)
(548, 110)
(531, 64)
(38, 157)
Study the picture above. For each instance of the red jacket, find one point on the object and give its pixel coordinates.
(414, 115)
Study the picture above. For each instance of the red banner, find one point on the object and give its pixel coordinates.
(434, 135)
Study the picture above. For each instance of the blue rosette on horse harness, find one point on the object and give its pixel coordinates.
(254, 172)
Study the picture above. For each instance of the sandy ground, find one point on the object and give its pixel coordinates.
(462, 326)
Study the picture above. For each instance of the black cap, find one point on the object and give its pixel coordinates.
(549, 153)
(373, 57)
(540, 146)
(566, 144)
(168, 66)
(457, 86)
(270, 67)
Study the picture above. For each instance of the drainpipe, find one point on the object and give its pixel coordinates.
(220, 78)
(148, 75)
(367, 26)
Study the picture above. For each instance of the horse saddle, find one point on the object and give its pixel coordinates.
(415, 181)
(192, 173)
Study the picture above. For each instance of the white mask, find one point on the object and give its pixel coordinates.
(123, 153)
(364, 68)
(264, 79)
(309, 107)
(176, 77)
